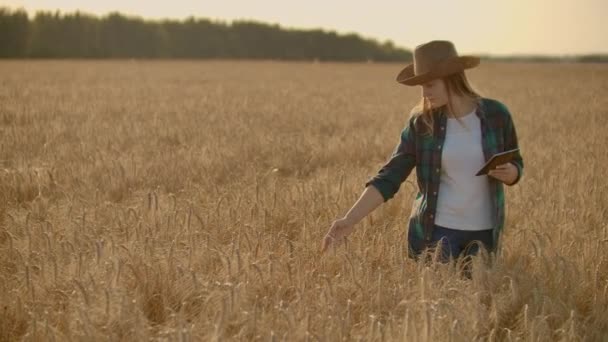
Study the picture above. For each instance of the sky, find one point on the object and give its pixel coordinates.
(496, 27)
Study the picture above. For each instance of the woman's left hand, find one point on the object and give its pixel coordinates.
(507, 173)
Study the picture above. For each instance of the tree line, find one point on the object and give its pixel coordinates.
(80, 35)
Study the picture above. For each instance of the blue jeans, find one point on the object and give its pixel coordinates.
(453, 242)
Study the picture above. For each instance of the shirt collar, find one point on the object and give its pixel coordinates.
(479, 111)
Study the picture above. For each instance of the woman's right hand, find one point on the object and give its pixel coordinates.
(339, 229)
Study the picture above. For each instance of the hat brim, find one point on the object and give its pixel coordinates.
(447, 67)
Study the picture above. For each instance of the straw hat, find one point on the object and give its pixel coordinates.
(434, 59)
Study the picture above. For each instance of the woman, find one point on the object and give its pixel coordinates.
(450, 134)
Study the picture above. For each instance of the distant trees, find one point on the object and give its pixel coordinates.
(14, 33)
(79, 35)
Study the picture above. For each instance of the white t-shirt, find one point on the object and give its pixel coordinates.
(464, 200)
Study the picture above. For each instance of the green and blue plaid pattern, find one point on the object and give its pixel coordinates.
(424, 153)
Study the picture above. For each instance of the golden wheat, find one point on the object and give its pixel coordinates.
(187, 201)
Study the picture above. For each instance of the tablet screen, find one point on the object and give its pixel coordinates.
(498, 159)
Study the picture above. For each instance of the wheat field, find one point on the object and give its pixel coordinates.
(187, 200)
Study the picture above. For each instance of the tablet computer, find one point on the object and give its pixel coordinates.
(498, 159)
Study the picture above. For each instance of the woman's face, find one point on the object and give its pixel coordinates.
(434, 90)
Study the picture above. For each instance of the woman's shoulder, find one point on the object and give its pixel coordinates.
(414, 117)
(416, 122)
(494, 105)
(495, 108)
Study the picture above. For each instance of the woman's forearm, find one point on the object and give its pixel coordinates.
(369, 200)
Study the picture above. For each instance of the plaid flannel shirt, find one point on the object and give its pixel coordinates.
(424, 152)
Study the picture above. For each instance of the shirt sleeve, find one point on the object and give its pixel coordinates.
(510, 139)
(399, 166)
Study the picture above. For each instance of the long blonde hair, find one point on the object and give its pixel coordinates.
(455, 84)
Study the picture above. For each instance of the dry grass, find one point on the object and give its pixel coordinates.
(187, 201)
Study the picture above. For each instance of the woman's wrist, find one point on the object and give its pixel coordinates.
(349, 220)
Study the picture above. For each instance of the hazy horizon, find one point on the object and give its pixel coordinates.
(540, 24)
